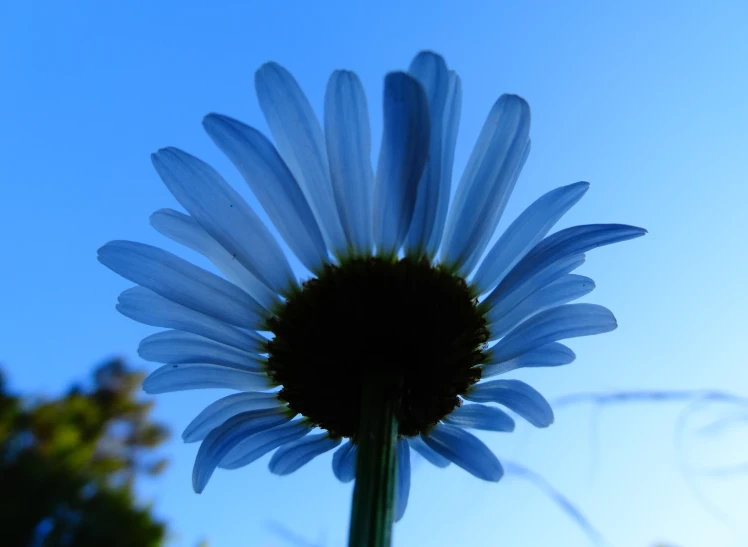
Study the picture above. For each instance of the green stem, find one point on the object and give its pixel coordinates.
(372, 514)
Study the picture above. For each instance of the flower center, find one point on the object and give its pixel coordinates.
(410, 326)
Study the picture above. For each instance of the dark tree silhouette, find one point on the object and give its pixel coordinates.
(68, 465)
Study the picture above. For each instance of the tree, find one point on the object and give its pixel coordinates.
(68, 465)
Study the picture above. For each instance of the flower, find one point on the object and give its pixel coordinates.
(398, 292)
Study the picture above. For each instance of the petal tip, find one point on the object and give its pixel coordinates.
(582, 186)
(198, 484)
(211, 118)
(166, 150)
(150, 380)
(514, 100)
(163, 157)
(431, 56)
(343, 73)
(188, 436)
(268, 65)
(276, 470)
(547, 420)
(156, 216)
(269, 70)
(497, 475)
(399, 80)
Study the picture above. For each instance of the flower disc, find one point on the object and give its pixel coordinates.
(409, 325)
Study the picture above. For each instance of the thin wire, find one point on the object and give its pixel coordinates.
(564, 503)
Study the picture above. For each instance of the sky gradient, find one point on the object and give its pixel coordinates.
(646, 101)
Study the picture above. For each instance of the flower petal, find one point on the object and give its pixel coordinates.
(301, 144)
(525, 232)
(487, 182)
(403, 155)
(480, 417)
(563, 290)
(179, 281)
(550, 355)
(516, 396)
(465, 450)
(569, 242)
(169, 378)
(507, 297)
(348, 138)
(186, 231)
(224, 438)
(568, 321)
(294, 455)
(431, 72)
(224, 214)
(402, 486)
(256, 446)
(225, 408)
(145, 306)
(344, 462)
(417, 444)
(450, 126)
(272, 184)
(177, 347)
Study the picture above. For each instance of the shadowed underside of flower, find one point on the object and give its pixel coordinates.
(403, 290)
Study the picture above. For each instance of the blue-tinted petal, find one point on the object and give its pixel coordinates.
(186, 231)
(525, 232)
(563, 290)
(403, 155)
(516, 396)
(402, 486)
(145, 306)
(224, 214)
(273, 185)
(417, 444)
(224, 438)
(179, 281)
(450, 128)
(508, 296)
(568, 321)
(431, 72)
(301, 144)
(550, 355)
(487, 182)
(177, 347)
(294, 455)
(348, 138)
(480, 417)
(169, 378)
(344, 462)
(256, 446)
(465, 450)
(225, 408)
(565, 243)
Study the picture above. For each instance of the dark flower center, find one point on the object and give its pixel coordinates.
(407, 325)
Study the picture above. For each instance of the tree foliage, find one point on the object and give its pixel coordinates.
(68, 465)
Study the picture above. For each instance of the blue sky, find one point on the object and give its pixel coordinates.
(647, 101)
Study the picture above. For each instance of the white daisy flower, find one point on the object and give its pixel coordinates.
(392, 341)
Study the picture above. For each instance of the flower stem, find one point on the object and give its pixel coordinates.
(374, 495)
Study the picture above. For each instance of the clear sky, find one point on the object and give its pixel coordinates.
(646, 100)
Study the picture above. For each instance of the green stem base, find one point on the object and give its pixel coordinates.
(372, 513)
